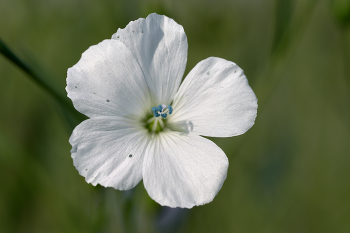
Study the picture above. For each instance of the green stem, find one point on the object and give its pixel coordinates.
(69, 114)
(346, 65)
(281, 55)
(346, 55)
(57, 93)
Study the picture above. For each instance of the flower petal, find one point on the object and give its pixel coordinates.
(214, 100)
(183, 170)
(159, 45)
(109, 151)
(108, 81)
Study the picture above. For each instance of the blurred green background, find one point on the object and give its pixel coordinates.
(289, 173)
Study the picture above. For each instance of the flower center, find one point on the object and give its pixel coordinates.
(157, 123)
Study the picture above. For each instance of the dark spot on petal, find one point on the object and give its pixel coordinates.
(235, 71)
(86, 169)
(117, 37)
(142, 31)
(107, 100)
(132, 31)
(75, 86)
(208, 73)
(94, 93)
(130, 155)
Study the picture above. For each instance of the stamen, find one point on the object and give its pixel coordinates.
(150, 120)
(161, 122)
(155, 123)
(170, 109)
(162, 111)
(156, 110)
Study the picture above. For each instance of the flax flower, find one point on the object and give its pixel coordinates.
(144, 125)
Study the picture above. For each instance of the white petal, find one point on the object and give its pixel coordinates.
(108, 81)
(183, 170)
(109, 151)
(214, 100)
(159, 45)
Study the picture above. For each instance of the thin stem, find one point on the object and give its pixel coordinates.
(37, 76)
(70, 115)
(346, 71)
(270, 77)
(346, 55)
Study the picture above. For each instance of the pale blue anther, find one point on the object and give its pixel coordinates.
(170, 109)
(156, 114)
(156, 111)
(164, 115)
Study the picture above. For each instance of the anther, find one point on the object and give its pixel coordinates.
(170, 109)
(162, 111)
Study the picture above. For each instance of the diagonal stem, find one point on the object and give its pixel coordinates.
(69, 114)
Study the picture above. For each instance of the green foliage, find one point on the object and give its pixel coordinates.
(341, 11)
(288, 173)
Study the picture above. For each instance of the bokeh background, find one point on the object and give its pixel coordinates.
(289, 173)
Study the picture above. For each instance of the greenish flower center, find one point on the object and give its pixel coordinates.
(157, 122)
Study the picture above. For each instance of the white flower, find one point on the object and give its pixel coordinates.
(120, 83)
